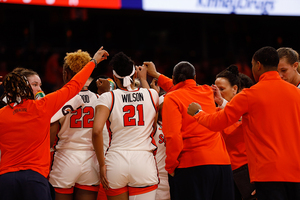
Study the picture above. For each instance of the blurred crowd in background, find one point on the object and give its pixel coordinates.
(38, 37)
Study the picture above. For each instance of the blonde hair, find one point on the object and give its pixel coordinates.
(75, 61)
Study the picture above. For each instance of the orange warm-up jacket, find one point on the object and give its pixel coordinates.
(188, 143)
(271, 116)
(235, 144)
(25, 128)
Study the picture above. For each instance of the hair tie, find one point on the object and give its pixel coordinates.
(126, 79)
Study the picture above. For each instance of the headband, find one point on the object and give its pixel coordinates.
(126, 79)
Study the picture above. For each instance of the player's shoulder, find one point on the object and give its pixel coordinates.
(107, 96)
(205, 86)
(152, 91)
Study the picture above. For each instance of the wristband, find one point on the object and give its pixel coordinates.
(197, 112)
(95, 61)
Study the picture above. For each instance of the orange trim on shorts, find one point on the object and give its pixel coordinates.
(136, 190)
(64, 190)
(101, 193)
(93, 188)
(115, 192)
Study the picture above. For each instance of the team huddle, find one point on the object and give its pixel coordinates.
(121, 138)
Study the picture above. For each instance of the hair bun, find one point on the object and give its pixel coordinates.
(233, 69)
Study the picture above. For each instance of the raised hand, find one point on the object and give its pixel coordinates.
(141, 72)
(151, 70)
(154, 85)
(217, 95)
(103, 85)
(101, 55)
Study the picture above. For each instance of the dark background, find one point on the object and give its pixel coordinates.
(38, 37)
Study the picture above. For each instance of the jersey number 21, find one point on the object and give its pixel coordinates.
(130, 113)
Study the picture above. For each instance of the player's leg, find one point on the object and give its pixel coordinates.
(81, 194)
(61, 196)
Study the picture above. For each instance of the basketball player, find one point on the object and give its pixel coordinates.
(99, 86)
(129, 170)
(163, 190)
(75, 164)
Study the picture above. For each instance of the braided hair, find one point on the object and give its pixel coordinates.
(16, 88)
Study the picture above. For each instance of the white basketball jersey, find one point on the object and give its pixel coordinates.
(161, 150)
(163, 190)
(132, 114)
(76, 127)
(71, 105)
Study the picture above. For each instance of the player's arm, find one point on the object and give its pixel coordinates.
(218, 121)
(54, 127)
(101, 115)
(58, 98)
(155, 99)
(164, 82)
(142, 75)
(154, 85)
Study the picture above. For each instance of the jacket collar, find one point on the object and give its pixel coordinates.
(270, 75)
(186, 83)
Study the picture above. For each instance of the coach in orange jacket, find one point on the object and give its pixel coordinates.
(197, 159)
(271, 116)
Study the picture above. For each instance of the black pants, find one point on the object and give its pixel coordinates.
(242, 184)
(206, 182)
(25, 185)
(277, 190)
